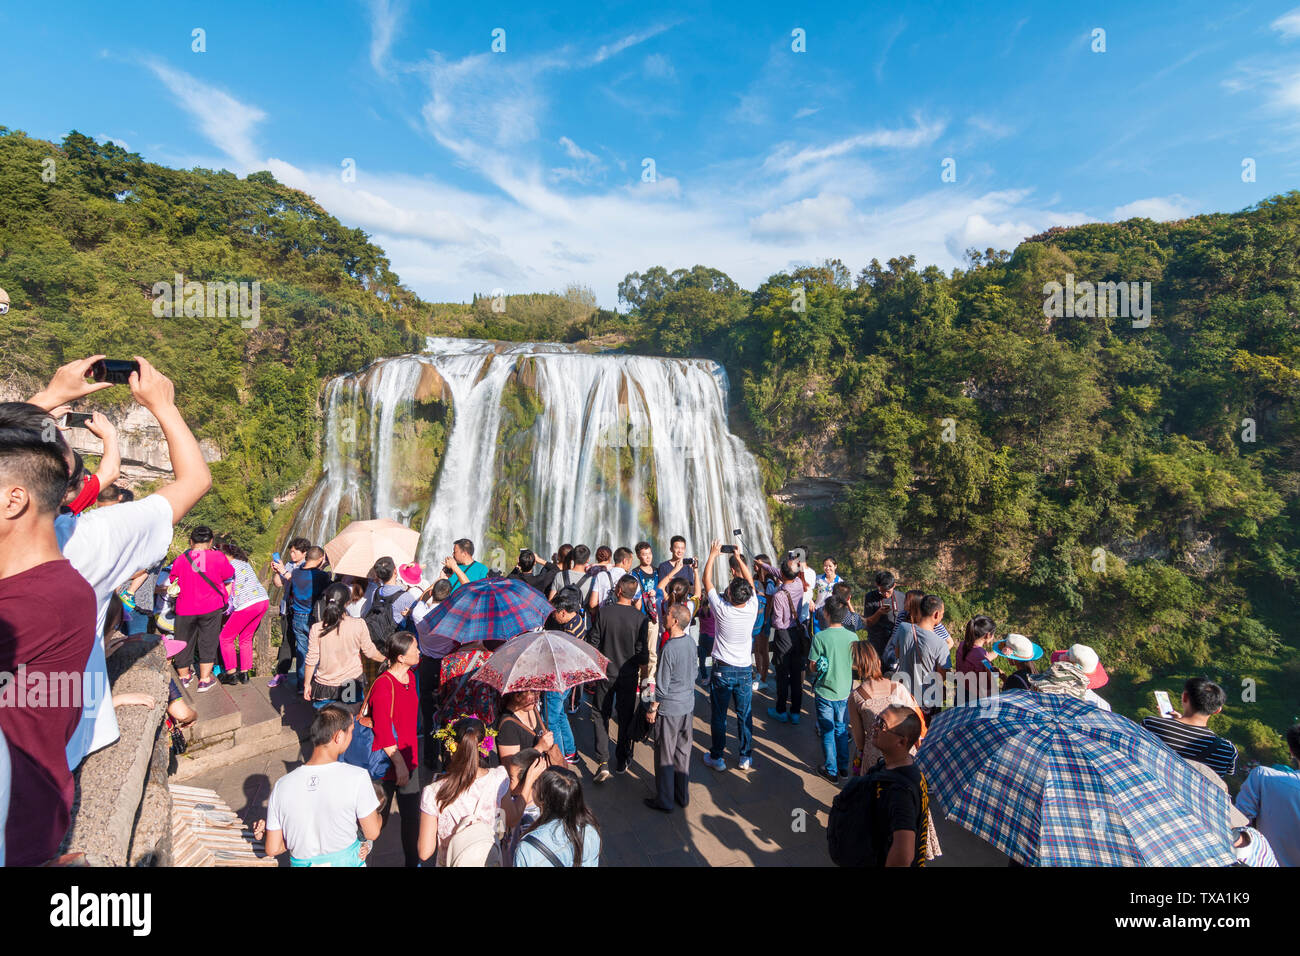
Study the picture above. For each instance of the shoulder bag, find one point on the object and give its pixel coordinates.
(554, 755)
(361, 752)
(221, 592)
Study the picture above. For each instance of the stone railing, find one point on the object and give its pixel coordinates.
(122, 812)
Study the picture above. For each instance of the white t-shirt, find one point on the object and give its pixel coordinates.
(107, 546)
(602, 584)
(317, 807)
(733, 639)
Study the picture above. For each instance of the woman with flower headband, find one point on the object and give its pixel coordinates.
(460, 806)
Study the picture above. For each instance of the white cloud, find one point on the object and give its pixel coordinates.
(922, 134)
(889, 44)
(607, 50)
(991, 128)
(384, 17)
(448, 242)
(824, 215)
(807, 111)
(658, 67)
(749, 216)
(1288, 24)
(750, 108)
(1159, 208)
(575, 151)
(223, 120)
(102, 138)
(586, 165)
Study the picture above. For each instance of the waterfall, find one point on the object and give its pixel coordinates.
(391, 391)
(546, 445)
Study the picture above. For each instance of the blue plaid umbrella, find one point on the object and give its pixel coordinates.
(1054, 781)
(493, 609)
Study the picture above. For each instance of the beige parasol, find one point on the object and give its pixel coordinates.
(356, 548)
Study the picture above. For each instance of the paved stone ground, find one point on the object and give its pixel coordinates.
(772, 815)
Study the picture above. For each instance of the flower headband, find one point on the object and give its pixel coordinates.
(448, 735)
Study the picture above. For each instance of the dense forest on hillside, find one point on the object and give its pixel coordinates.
(86, 230)
(1130, 488)
(1077, 478)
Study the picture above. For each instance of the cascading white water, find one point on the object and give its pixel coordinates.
(624, 448)
(393, 385)
(460, 504)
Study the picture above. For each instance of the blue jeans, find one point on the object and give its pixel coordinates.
(300, 628)
(731, 684)
(833, 726)
(557, 721)
(139, 623)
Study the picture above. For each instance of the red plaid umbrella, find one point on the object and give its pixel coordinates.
(493, 609)
(542, 660)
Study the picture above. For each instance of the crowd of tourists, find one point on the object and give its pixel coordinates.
(480, 778)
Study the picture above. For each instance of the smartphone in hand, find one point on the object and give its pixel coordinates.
(115, 371)
(1162, 704)
(76, 419)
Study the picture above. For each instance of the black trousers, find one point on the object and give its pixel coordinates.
(430, 678)
(201, 633)
(673, 759)
(788, 662)
(408, 809)
(616, 698)
(284, 659)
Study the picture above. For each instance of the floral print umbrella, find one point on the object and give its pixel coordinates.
(542, 660)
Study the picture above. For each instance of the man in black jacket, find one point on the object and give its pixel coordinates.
(532, 575)
(620, 632)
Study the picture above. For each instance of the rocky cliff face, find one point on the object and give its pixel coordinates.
(811, 491)
(144, 450)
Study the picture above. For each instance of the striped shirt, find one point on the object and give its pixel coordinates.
(248, 589)
(1195, 743)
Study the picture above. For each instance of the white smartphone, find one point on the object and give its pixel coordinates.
(1162, 704)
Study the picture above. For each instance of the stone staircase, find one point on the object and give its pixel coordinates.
(236, 722)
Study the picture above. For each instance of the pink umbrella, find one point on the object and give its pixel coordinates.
(542, 660)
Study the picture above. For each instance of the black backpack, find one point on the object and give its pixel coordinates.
(379, 619)
(850, 834)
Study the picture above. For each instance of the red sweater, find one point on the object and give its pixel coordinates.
(395, 705)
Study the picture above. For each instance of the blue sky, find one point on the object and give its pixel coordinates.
(523, 170)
